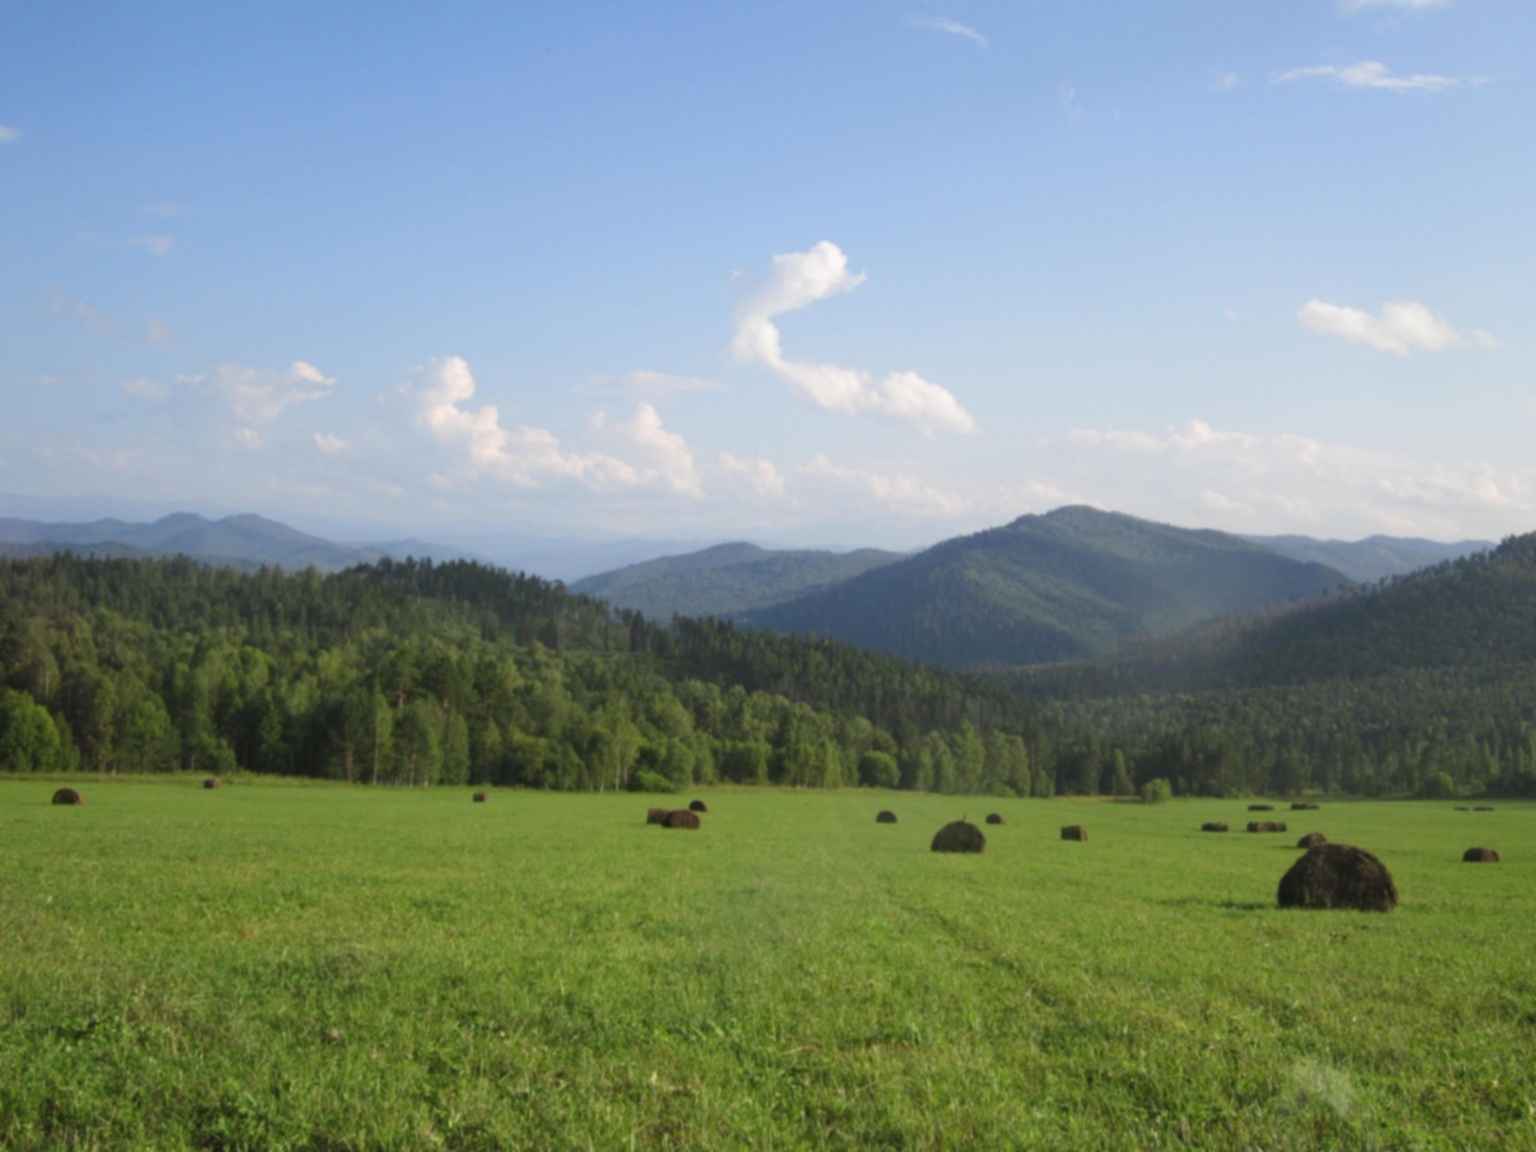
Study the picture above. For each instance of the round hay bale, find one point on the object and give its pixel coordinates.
(1462, 808)
(959, 837)
(1074, 832)
(1312, 840)
(1213, 826)
(479, 797)
(885, 817)
(1305, 806)
(68, 797)
(657, 815)
(698, 806)
(1479, 856)
(213, 782)
(994, 817)
(1261, 807)
(1266, 826)
(682, 818)
(1338, 876)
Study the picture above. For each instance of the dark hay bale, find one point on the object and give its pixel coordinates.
(885, 818)
(1213, 826)
(1479, 856)
(1261, 807)
(656, 815)
(213, 782)
(959, 837)
(1074, 832)
(1462, 808)
(1305, 806)
(1312, 840)
(698, 806)
(994, 817)
(682, 818)
(479, 797)
(69, 797)
(1266, 826)
(1338, 876)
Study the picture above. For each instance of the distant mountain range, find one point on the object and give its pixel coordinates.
(727, 580)
(1374, 558)
(236, 541)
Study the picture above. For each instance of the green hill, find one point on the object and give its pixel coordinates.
(727, 580)
(1374, 558)
(1073, 584)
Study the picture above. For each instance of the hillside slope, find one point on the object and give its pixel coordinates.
(1374, 558)
(1073, 584)
(727, 580)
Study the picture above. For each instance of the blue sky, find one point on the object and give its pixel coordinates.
(807, 273)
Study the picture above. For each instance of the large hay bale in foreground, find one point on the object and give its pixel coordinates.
(1266, 825)
(68, 797)
(682, 818)
(213, 782)
(480, 797)
(657, 815)
(1338, 876)
(1480, 856)
(1074, 832)
(1213, 826)
(698, 806)
(886, 817)
(994, 817)
(959, 837)
(1312, 840)
(1261, 807)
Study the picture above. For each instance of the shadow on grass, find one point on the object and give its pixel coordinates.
(1222, 905)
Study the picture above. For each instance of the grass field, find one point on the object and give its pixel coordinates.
(279, 966)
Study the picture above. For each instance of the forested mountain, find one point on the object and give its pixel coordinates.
(727, 580)
(1072, 584)
(238, 541)
(1374, 558)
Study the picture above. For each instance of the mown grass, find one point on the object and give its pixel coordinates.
(270, 966)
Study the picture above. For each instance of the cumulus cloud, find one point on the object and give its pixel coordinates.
(1373, 74)
(948, 27)
(760, 474)
(329, 444)
(665, 455)
(800, 279)
(257, 397)
(143, 388)
(893, 491)
(1401, 328)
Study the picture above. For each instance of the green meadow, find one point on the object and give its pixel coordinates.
(288, 966)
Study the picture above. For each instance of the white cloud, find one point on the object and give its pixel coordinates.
(667, 453)
(159, 244)
(800, 279)
(948, 27)
(895, 492)
(143, 388)
(331, 445)
(257, 397)
(1401, 328)
(760, 474)
(7, 134)
(1376, 75)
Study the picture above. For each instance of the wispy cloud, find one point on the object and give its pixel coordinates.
(800, 279)
(1401, 328)
(948, 27)
(1373, 74)
(896, 492)
(760, 474)
(7, 134)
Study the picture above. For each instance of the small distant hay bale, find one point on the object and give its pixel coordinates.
(959, 836)
(1305, 806)
(480, 797)
(994, 818)
(657, 815)
(1312, 840)
(1338, 876)
(698, 806)
(1261, 807)
(1266, 826)
(682, 818)
(213, 782)
(1462, 808)
(1074, 832)
(886, 817)
(1479, 856)
(68, 797)
(1483, 808)
(1214, 826)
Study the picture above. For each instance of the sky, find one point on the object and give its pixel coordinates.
(803, 273)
